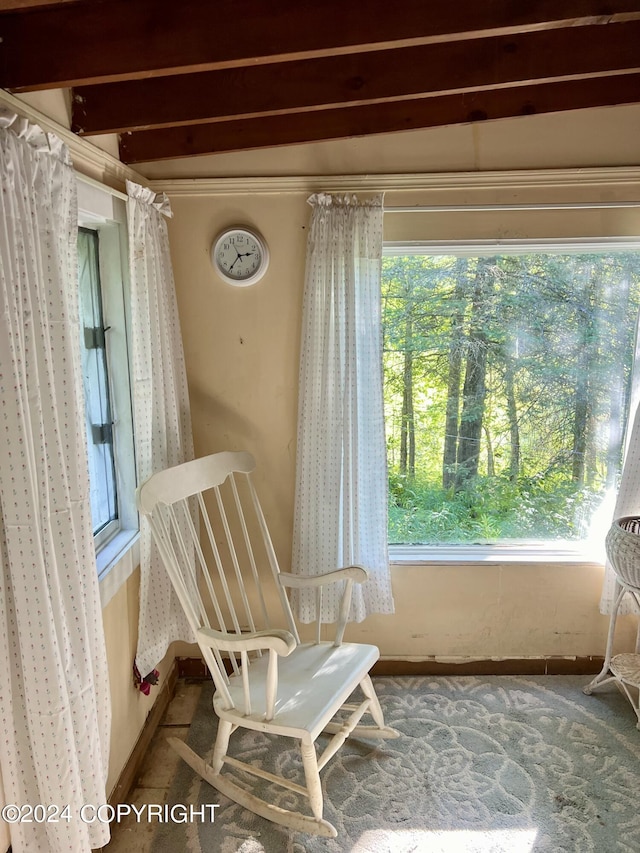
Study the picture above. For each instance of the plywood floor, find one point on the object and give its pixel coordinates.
(156, 773)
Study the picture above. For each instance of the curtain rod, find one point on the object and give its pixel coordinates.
(475, 208)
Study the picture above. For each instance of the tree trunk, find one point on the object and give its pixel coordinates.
(408, 433)
(580, 421)
(475, 391)
(582, 409)
(491, 468)
(512, 413)
(454, 377)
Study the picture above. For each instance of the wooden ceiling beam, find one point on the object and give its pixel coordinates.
(96, 41)
(370, 119)
(351, 80)
(6, 5)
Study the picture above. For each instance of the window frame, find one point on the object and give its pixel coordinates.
(102, 210)
(111, 527)
(591, 550)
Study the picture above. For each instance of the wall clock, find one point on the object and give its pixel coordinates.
(240, 256)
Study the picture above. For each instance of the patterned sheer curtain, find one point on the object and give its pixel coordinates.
(54, 684)
(161, 413)
(341, 478)
(628, 497)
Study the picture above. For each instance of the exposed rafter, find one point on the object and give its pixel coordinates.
(96, 41)
(379, 76)
(197, 77)
(370, 119)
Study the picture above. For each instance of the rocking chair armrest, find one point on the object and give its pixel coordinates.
(282, 642)
(354, 573)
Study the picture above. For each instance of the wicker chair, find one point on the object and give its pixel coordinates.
(623, 551)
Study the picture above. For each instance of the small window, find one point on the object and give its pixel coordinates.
(105, 322)
(507, 385)
(95, 371)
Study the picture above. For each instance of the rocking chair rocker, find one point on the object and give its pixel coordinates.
(227, 582)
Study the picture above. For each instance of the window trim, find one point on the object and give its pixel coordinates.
(486, 248)
(545, 552)
(583, 551)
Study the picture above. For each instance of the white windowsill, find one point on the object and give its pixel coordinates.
(116, 562)
(545, 552)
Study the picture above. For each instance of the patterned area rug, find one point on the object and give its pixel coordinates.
(485, 764)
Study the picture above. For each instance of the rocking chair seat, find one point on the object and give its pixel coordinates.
(314, 681)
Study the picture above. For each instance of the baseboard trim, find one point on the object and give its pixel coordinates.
(127, 779)
(586, 665)
(195, 668)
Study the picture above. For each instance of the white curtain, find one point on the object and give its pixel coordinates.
(162, 419)
(341, 477)
(54, 688)
(628, 497)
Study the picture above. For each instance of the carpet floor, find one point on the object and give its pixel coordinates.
(496, 764)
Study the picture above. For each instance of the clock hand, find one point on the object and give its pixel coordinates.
(238, 256)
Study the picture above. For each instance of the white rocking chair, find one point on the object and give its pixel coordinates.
(294, 689)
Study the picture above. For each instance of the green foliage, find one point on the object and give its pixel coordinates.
(488, 509)
(542, 345)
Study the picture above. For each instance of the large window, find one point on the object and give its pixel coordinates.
(507, 380)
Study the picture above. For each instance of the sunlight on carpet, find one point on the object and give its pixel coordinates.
(452, 841)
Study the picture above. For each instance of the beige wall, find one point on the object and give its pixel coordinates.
(242, 347)
(129, 707)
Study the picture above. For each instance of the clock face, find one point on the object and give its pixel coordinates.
(240, 256)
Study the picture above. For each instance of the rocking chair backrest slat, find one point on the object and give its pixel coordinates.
(167, 551)
(189, 598)
(191, 581)
(221, 572)
(214, 541)
(273, 560)
(234, 557)
(190, 569)
(203, 565)
(249, 548)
